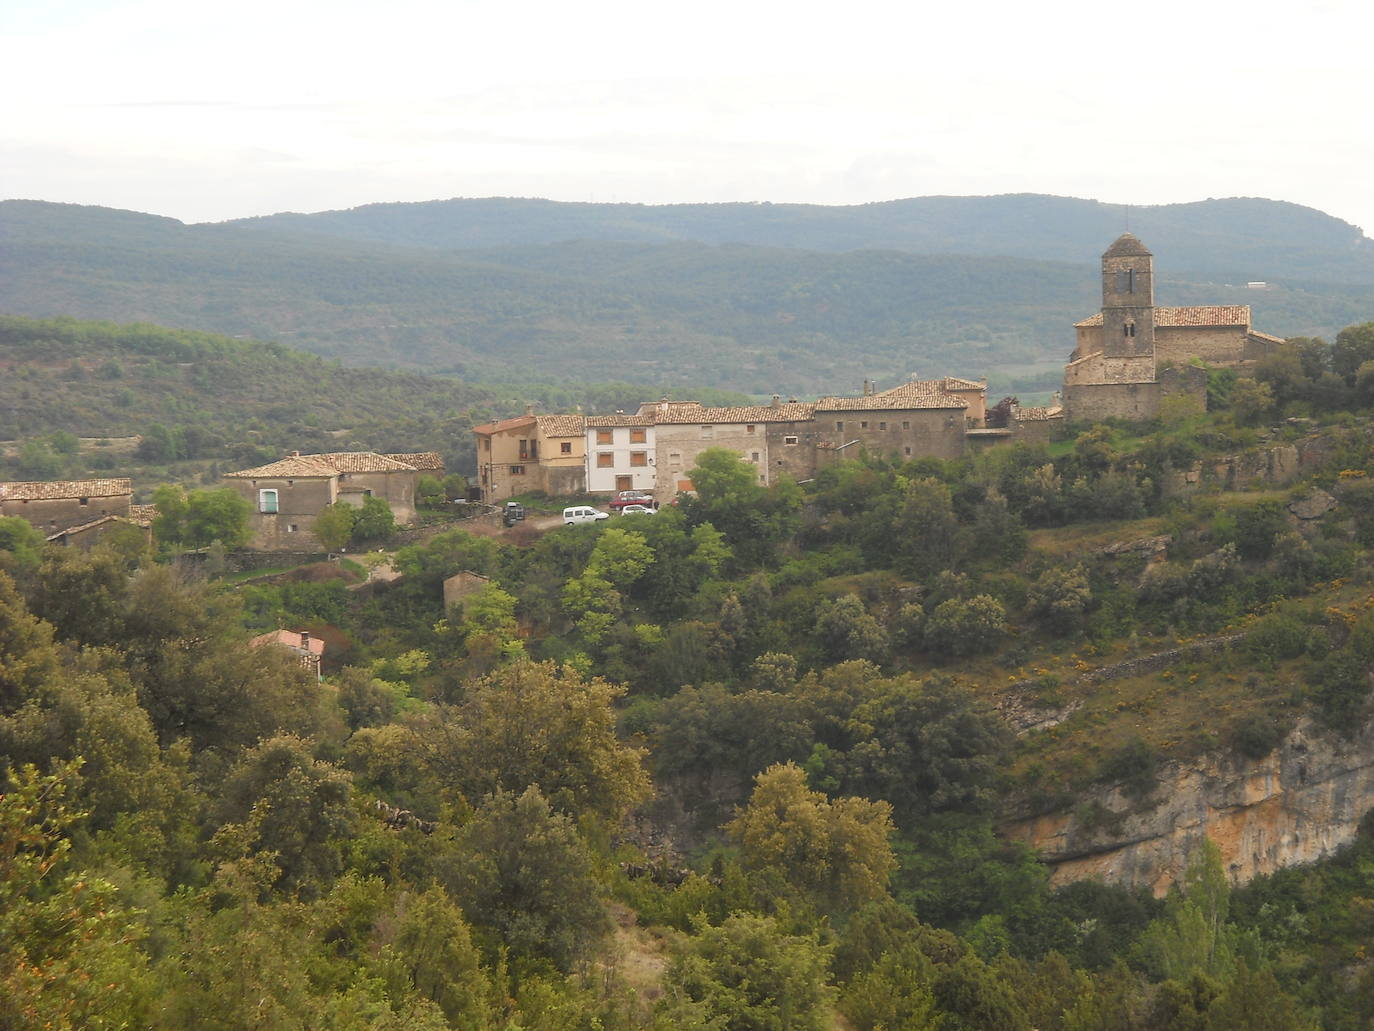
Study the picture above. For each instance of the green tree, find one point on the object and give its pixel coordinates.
(375, 521)
(333, 527)
(21, 544)
(201, 517)
(959, 627)
(536, 724)
(749, 975)
(1060, 597)
(37, 461)
(834, 855)
(520, 870)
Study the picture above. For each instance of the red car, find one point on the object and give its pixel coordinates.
(631, 497)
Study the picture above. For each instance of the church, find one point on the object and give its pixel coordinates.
(1132, 355)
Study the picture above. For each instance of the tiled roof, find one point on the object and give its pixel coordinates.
(1267, 337)
(86, 526)
(618, 419)
(142, 515)
(561, 425)
(955, 383)
(504, 425)
(315, 646)
(918, 393)
(425, 461)
(683, 413)
(1194, 315)
(62, 490)
(1039, 413)
(307, 466)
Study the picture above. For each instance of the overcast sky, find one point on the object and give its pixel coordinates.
(206, 112)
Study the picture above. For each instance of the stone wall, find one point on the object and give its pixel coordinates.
(1217, 345)
(1094, 402)
(905, 433)
(52, 514)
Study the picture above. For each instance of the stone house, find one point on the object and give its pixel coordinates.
(57, 505)
(918, 419)
(305, 646)
(684, 429)
(531, 453)
(288, 495)
(1133, 354)
(462, 585)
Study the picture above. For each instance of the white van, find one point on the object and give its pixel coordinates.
(582, 514)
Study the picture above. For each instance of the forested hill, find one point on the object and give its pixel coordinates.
(1236, 239)
(497, 290)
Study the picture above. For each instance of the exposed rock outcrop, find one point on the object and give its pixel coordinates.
(1297, 804)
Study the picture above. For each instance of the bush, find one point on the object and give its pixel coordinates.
(1255, 736)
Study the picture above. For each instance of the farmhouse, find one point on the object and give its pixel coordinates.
(52, 506)
(287, 495)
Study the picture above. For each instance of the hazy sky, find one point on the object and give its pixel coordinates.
(206, 112)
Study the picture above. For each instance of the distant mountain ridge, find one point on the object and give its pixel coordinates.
(787, 298)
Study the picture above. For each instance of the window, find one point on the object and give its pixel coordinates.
(267, 501)
(1128, 329)
(754, 458)
(882, 425)
(486, 443)
(863, 425)
(674, 457)
(707, 432)
(565, 448)
(603, 436)
(639, 458)
(292, 528)
(84, 501)
(839, 426)
(789, 441)
(749, 427)
(908, 451)
(604, 460)
(517, 470)
(906, 424)
(638, 436)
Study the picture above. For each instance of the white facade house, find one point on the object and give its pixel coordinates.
(620, 453)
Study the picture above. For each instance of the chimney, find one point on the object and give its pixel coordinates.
(529, 409)
(305, 639)
(776, 400)
(294, 454)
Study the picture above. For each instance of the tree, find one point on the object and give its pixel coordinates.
(754, 520)
(959, 627)
(519, 869)
(536, 724)
(1060, 597)
(747, 975)
(925, 533)
(333, 527)
(37, 461)
(199, 518)
(21, 543)
(834, 855)
(375, 520)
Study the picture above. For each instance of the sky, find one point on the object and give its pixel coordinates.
(208, 112)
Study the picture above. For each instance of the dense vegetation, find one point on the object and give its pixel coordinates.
(761, 298)
(150, 400)
(736, 765)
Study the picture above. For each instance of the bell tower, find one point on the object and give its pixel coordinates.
(1128, 299)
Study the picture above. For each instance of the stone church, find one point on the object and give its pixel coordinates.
(1131, 355)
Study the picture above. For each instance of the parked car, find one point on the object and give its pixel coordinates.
(631, 497)
(637, 510)
(582, 514)
(513, 513)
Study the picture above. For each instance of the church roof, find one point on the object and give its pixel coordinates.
(1192, 315)
(1126, 245)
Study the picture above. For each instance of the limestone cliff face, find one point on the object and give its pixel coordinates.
(1296, 805)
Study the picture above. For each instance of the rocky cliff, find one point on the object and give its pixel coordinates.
(1297, 804)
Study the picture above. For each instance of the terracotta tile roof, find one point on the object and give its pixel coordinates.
(1193, 315)
(1267, 337)
(61, 490)
(956, 383)
(618, 419)
(87, 526)
(918, 393)
(315, 646)
(504, 425)
(142, 515)
(307, 466)
(561, 425)
(789, 411)
(425, 461)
